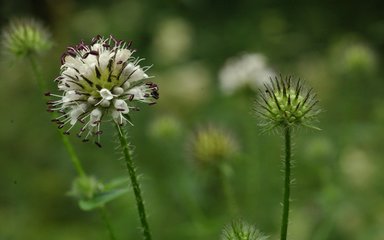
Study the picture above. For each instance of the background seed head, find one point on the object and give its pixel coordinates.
(211, 145)
(25, 37)
(285, 102)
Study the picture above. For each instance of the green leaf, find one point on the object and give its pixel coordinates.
(117, 182)
(101, 199)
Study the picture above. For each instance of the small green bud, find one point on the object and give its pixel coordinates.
(240, 230)
(25, 37)
(211, 145)
(286, 103)
(86, 187)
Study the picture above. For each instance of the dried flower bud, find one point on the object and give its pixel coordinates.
(286, 103)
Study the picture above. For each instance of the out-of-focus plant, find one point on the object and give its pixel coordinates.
(25, 38)
(214, 148)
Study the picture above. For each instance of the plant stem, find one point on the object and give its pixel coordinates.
(37, 72)
(67, 144)
(287, 183)
(225, 172)
(105, 218)
(134, 182)
(72, 155)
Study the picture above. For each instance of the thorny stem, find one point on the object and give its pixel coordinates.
(287, 183)
(134, 182)
(72, 154)
(105, 218)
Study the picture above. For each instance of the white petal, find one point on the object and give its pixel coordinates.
(69, 96)
(121, 106)
(87, 70)
(138, 75)
(106, 94)
(117, 117)
(128, 70)
(90, 60)
(96, 47)
(64, 86)
(137, 93)
(76, 112)
(104, 59)
(69, 72)
(95, 116)
(122, 55)
(70, 61)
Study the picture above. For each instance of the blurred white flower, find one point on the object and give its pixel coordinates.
(99, 82)
(173, 39)
(248, 70)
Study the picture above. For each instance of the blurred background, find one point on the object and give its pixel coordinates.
(209, 58)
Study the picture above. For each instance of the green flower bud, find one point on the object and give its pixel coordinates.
(286, 103)
(25, 37)
(86, 187)
(239, 230)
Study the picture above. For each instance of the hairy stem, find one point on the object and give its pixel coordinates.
(105, 218)
(287, 183)
(134, 182)
(67, 144)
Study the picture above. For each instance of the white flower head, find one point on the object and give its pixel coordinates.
(248, 70)
(100, 82)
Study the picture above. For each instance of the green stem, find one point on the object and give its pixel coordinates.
(134, 182)
(67, 144)
(37, 72)
(225, 171)
(287, 183)
(72, 155)
(105, 218)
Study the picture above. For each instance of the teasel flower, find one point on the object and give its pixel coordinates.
(240, 230)
(285, 102)
(25, 37)
(100, 82)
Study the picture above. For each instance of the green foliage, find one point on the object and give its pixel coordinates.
(93, 194)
